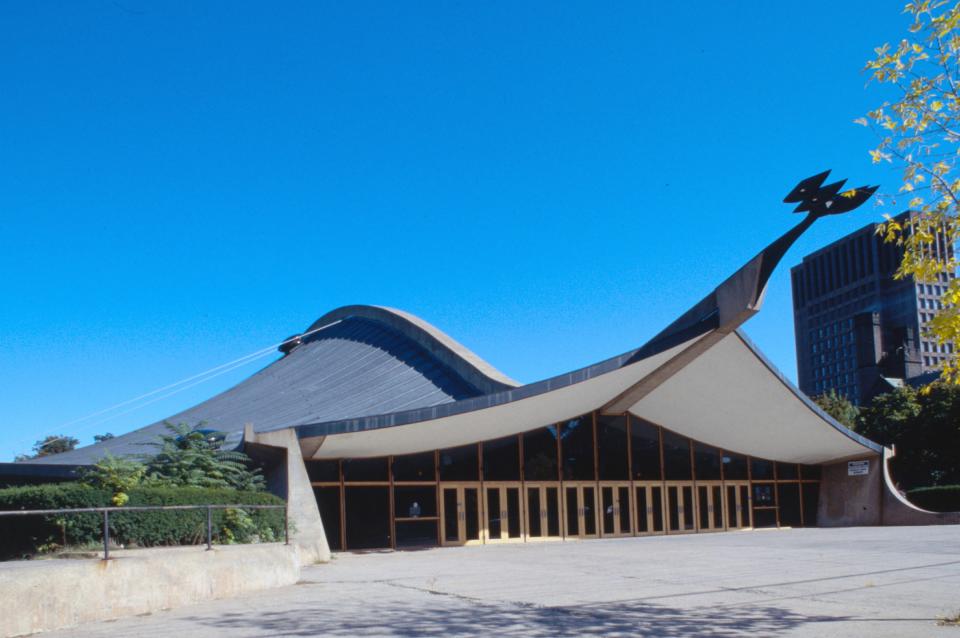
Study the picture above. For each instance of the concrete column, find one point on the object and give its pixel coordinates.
(306, 526)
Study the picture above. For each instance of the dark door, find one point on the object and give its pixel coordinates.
(367, 514)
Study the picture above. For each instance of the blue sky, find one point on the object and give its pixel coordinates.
(550, 183)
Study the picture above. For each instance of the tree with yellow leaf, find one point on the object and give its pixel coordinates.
(920, 131)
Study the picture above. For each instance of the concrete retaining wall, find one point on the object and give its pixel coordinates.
(850, 500)
(43, 595)
(870, 499)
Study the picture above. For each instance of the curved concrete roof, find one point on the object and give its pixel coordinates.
(728, 396)
(699, 377)
(362, 360)
(732, 397)
(375, 381)
(438, 343)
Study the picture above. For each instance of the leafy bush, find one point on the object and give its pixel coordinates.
(924, 425)
(23, 536)
(119, 475)
(942, 498)
(839, 407)
(193, 457)
(190, 527)
(50, 445)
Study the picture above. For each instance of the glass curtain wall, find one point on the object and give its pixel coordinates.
(594, 475)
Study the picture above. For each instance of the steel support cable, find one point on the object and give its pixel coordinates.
(180, 386)
(171, 393)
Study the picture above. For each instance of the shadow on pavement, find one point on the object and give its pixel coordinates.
(472, 618)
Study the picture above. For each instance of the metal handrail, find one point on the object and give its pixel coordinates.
(153, 508)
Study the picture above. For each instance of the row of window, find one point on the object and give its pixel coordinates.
(837, 328)
(841, 385)
(835, 369)
(943, 277)
(931, 346)
(827, 351)
(841, 313)
(931, 289)
(364, 516)
(588, 448)
(833, 381)
(833, 344)
(843, 304)
(839, 266)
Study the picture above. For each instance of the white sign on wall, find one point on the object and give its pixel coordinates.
(858, 468)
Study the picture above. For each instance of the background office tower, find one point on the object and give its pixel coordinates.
(859, 331)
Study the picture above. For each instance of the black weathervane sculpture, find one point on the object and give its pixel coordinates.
(741, 295)
(817, 200)
(821, 200)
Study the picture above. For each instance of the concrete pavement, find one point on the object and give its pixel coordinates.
(806, 582)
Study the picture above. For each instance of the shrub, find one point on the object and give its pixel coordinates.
(193, 457)
(23, 536)
(190, 527)
(119, 475)
(942, 498)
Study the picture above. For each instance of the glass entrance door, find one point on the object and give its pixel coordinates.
(502, 512)
(580, 510)
(680, 508)
(542, 511)
(615, 515)
(764, 502)
(649, 508)
(710, 506)
(738, 504)
(459, 514)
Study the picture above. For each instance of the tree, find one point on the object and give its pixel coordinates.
(117, 474)
(924, 427)
(919, 131)
(889, 418)
(53, 444)
(100, 438)
(192, 457)
(839, 407)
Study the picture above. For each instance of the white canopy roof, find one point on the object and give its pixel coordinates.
(728, 396)
(731, 397)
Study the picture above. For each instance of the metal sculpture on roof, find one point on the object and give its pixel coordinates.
(739, 297)
(821, 200)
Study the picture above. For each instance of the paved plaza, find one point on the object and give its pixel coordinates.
(805, 582)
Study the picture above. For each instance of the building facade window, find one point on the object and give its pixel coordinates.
(618, 475)
(576, 444)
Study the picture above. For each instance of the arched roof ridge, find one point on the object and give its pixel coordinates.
(439, 344)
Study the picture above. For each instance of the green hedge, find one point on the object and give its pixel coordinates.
(942, 498)
(28, 535)
(190, 527)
